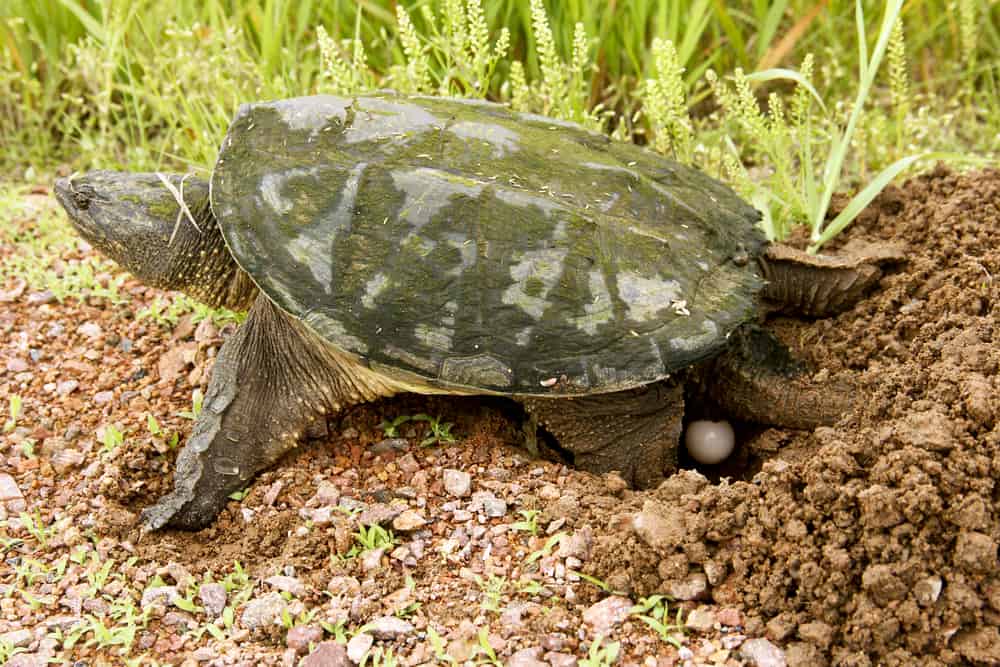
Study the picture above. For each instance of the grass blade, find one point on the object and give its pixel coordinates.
(777, 53)
(93, 26)
(877, 184)
(779, 73)
(834, 163)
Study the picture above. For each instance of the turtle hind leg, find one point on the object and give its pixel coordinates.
(758, 380)
(634, 432)
(271, 380)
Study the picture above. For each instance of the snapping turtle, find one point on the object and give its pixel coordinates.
(388, 244)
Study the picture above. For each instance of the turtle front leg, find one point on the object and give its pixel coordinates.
(273, 378)
(634, 432)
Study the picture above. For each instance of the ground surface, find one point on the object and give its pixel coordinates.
(870, 542)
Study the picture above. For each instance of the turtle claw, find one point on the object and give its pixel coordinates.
(259, 404)
(203, 480)
(209, 467)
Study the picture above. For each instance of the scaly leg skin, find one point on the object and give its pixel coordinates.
(758, 380)
(634, 432)
(272, 380)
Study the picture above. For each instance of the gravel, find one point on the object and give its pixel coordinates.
(608, 613)
(762, 653)
(457, 483)
(263, 611)
(389, 627)
(359, 646)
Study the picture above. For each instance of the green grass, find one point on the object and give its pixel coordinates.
(654, 611)
(146, 85)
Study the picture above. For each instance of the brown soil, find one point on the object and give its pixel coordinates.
(847, 532)
(870, 542)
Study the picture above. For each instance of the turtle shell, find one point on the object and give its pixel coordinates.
(482, 248)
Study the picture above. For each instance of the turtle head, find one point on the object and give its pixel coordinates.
(138, 220)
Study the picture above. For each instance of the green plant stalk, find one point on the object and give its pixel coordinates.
(867, 70)
(877, 184)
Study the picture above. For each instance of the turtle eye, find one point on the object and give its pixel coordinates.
(83, 195)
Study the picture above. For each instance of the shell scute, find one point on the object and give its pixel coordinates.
(481, 248)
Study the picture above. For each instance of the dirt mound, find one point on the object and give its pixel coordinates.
(873, 542)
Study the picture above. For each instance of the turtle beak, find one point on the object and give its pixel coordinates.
(79, 199)
(64, 191)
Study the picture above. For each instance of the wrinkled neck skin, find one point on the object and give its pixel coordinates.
(200, 265)
(136, 220)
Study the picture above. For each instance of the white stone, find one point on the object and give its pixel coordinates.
(359, 646)
(456, 482)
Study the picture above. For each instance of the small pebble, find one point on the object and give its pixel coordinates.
(457, 483)
(104, 397)
(359, 646)
(389, 627)
(287, 584)
(487, 503)
(89, 329)
(213, 598)
(327, 654)
(701, 619)
(409, 520)
(762, 653)
(17, 365)
(264, 611)
(301, 636)
(606, 614)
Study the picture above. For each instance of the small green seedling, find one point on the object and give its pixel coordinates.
(338, 630)
(600, 654)
(196, 401)
(391, 428)
(187, 602)
(493, 590)
(654, 612)
(28, 448)
(529, 524)
(168, 439)
(97, 579)
(380, 658)
(529, 587)
(239, 495)
(438, 646)
(111, 439)
(33, 524)
(408, 610)
(37, 603)
(15, 403)
(440, 432)
(9, 543)
(372, 537)
(8, 650)
(546, 548)
(603, 585)
(486, 651)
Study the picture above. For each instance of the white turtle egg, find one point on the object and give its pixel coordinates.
(709, 442)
